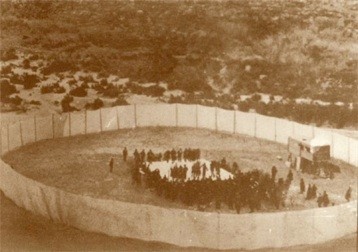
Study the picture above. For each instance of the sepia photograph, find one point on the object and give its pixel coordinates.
(179, 125)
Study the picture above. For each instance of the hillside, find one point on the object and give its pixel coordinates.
(295, 59)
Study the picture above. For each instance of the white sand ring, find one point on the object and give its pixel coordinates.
(164, 169)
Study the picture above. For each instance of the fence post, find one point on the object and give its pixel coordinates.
(100, 118)
(196, 116)
(176, 114)
(69, 123)
(313, 134)
(255, 126)
(135, 115)
(8, 137)
(234, 121)
(332, 141)
(117, 115)
(53, 125)
(349, 151)
(275, 130)
(216, 119)
(85, 121)
(22, 141)
(293, 128)
(35, 131)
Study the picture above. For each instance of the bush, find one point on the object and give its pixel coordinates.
(55, 88)
(16, 100)
(7, 89)
(78, 92)
(154, 91)
(120, 101)
(110, 91)
(244, 106)
(96, 104)
(57, 66)
(72, 82)
(30, 81)
(10, 54)
(6, 69)
(87, 78)
(26, 63)
(33, 102)
(66, 103)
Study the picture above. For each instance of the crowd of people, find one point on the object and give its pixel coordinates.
(252, 189)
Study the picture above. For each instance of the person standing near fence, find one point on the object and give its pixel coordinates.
(348, 194)
(111, 163)
(125, 154)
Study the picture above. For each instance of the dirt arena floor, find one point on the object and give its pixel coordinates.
(21, 230)
(80, 164)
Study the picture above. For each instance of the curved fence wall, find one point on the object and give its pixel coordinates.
(192, 229)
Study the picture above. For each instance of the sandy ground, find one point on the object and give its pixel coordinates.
(80, 164)
(24, 231)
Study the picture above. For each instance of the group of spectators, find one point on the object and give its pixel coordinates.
(252, 189)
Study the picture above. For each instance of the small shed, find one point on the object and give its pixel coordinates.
(307, 152)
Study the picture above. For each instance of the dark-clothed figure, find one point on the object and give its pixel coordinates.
(325, 199)
(273, 173)
(314, 192)
(125, 154)
(348, 194)
(290, 176)
(309, 192)
(302, 186)
(111, 163)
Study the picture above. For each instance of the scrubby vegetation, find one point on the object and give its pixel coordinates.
(54, 88)
(96, 104)
(66, 103)
(212, 51)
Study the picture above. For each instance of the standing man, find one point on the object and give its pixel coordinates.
(111, 162)
(273, 173)
(125, 154)
(348, 194)
(302, 186)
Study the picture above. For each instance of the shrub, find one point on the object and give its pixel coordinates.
(6, 69)
(16, 100)
(66, 103)
(30, 81)
(46, 89)
(96, 104)
(33, 102)
(110, 91)
(78, 92)
(55, 88)
(57, 66)
(244, 106)
(154, 91)
(72, 82)
(87, 78)
(16, 79)
(120, 101)
(9, 54)
(7, 89)
(26, 63)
